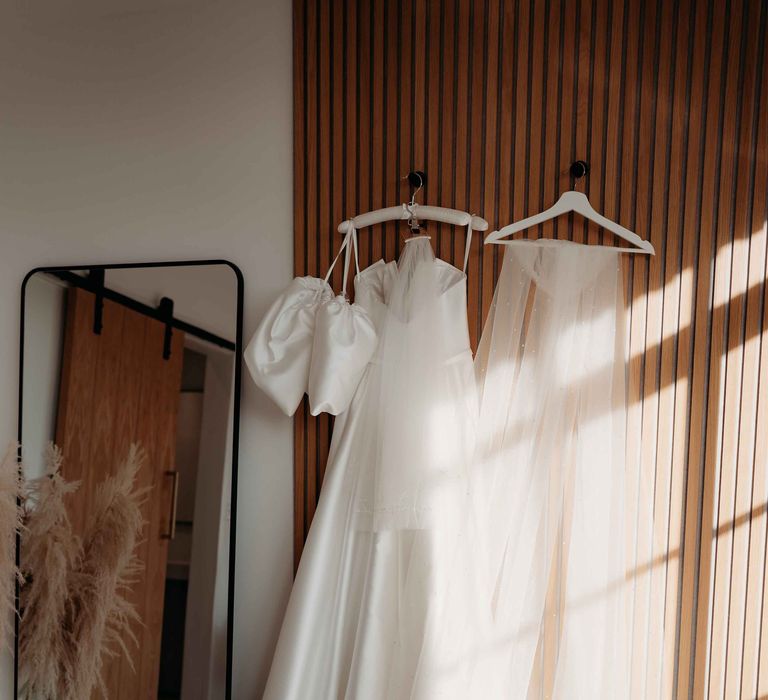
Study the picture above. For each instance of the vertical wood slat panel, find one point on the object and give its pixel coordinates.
(709, 660)
(668, 103)
(730, 621)
(299, 251)
(757, 317)
(681, 330)
(695, 591)
(326, 188)
(646, 287)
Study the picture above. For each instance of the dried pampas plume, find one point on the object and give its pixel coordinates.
(100, 616)
(49, 550)
(10, 522)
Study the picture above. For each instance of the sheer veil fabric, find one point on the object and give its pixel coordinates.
(551, 478)
(381, 607)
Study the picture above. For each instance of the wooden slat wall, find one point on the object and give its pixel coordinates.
(668, 102)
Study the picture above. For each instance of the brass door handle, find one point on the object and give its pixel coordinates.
(171, 534)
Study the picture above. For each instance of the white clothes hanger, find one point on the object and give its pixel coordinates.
(406, 212)
(577, 202)
(414, 212)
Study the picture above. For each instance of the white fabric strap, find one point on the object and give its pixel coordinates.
(347, 249)
(352, 235)
(336, 259)
(467, 246)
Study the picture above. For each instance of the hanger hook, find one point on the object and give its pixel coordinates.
(413, 222)
(416, 179)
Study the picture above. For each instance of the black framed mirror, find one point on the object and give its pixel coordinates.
(129, 412)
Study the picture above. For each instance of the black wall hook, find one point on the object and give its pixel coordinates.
(417, 178)
(579, 169)
(96, 280)
(165, 308)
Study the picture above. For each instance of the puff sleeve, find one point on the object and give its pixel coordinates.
(344, 342)
(278, 355)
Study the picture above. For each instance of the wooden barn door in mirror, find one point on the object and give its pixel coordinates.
(116, 389)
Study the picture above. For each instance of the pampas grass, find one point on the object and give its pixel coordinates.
(74, 606)
(50, 552)
(10, 522)
(99, 615)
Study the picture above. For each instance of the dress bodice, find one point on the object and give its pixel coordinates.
(373, 288)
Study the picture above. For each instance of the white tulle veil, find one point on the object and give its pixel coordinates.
(551, 476)
(426, 412)
(413, 488)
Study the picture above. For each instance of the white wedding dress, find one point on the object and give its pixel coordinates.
(382, 604)
(474, 532)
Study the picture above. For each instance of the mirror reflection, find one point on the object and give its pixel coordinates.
(126, 428)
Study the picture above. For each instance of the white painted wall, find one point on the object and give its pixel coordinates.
(205, 657)
(138, 130)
